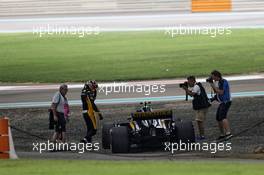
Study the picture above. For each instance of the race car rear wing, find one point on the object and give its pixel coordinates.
(158, 114)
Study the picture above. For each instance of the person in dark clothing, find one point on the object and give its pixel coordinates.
(90, 112)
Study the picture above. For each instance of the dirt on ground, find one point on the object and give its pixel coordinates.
(244, 113)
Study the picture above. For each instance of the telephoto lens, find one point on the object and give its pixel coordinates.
(209, 80)
(185, 84)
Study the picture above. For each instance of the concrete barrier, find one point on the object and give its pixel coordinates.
(57, 7)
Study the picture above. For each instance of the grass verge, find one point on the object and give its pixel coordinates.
(127, 56)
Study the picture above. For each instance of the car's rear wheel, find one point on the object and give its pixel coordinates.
(185, 132)
(120, 139)
(106, 137)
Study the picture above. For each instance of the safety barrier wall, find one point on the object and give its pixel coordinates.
(59, 7)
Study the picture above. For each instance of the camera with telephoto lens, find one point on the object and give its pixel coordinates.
(210, 80)
(182, 85)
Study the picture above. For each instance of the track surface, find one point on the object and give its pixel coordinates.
(44, 93)
(124, 22)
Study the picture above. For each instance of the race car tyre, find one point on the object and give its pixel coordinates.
(106, 137)
(185, 132)
(120, 139)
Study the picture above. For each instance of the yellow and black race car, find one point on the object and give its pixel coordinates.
(145, 129)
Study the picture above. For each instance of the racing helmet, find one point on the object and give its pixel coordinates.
(92, 84)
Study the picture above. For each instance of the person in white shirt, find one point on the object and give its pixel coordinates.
(200, 103)
(60, 109)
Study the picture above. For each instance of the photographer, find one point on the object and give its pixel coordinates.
(90, 110)
(223, 96)
(200, 102)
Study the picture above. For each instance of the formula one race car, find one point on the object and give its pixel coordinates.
(146, 128)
